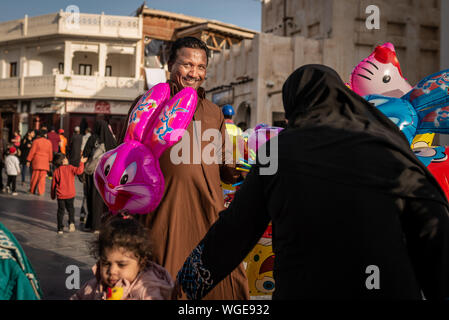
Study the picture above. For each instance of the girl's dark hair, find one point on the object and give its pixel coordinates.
(58, 159)
(121, 231)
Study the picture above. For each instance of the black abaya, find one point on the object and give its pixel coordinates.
(355, 214)
(95, 204)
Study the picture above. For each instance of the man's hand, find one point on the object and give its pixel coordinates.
(83, 159)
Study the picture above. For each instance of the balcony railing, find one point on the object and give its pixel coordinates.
(9, 87)
(75, 86)
(66, 23)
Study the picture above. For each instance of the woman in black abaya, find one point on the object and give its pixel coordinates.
(95, 203)
(355, 215)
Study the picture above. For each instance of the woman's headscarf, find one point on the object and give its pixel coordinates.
(104, 135)
(346, 139)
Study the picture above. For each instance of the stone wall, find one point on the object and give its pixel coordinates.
(411, 25)
(265, 63)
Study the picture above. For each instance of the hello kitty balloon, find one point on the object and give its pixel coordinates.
(129, 177)
(380, 74)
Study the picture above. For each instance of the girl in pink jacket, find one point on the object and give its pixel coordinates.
(124, 270)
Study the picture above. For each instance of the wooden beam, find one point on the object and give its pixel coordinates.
(215, 41)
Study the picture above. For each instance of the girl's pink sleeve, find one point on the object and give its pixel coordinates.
(87, 292)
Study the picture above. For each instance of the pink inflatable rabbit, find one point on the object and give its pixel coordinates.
(129, 177)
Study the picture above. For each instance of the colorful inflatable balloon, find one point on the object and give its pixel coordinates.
(424, 109)
(430, 99)
(261, 134)
(129, 177)
(439, 167)
(399, 111)
(380, 73)
(259, 266)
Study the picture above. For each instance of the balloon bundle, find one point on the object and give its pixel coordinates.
(417, 110)
(260, 135)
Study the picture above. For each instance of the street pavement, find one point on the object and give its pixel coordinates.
(32, 220)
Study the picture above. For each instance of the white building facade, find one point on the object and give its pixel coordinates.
(58, 68)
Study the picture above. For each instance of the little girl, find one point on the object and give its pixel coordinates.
(124, 270)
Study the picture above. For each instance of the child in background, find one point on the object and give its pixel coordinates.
(62, 142)
(124, 270)
(63, 188)
(12, 165)
(16, 139)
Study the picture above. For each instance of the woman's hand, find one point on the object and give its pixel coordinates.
(177, 292)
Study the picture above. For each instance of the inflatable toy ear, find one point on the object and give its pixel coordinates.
(430, 99)
(171, 122)
(380, 73)
(142, 115)
(398, 111)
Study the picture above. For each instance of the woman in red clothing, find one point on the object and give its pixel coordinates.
(40, 156)
(63, 187)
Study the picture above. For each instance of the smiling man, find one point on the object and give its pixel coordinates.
(188, 62)
(193, 196)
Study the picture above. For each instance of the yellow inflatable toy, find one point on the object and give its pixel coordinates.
(259, 268)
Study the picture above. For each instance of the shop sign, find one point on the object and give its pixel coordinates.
(102, 107)
(98, 106)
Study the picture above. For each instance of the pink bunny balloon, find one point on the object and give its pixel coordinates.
(380, 73)
(129, 177)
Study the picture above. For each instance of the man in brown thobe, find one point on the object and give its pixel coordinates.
(193, 196)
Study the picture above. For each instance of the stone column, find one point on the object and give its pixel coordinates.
(102, 56)
(3, 74)
(22, 66)
(68, 56)
(138, 58)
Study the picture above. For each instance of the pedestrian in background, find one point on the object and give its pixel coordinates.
(74, 150)
(40, 156)
(2, 163)
(103, 140)
(16, 140)
(55, 139)
(62, 142)
(63, 188)
(86, 135)
(25, 147)
(12, 165)
(125, 269)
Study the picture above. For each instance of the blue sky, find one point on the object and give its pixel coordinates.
(243, 13)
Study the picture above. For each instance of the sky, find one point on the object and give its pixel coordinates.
(243, 13)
